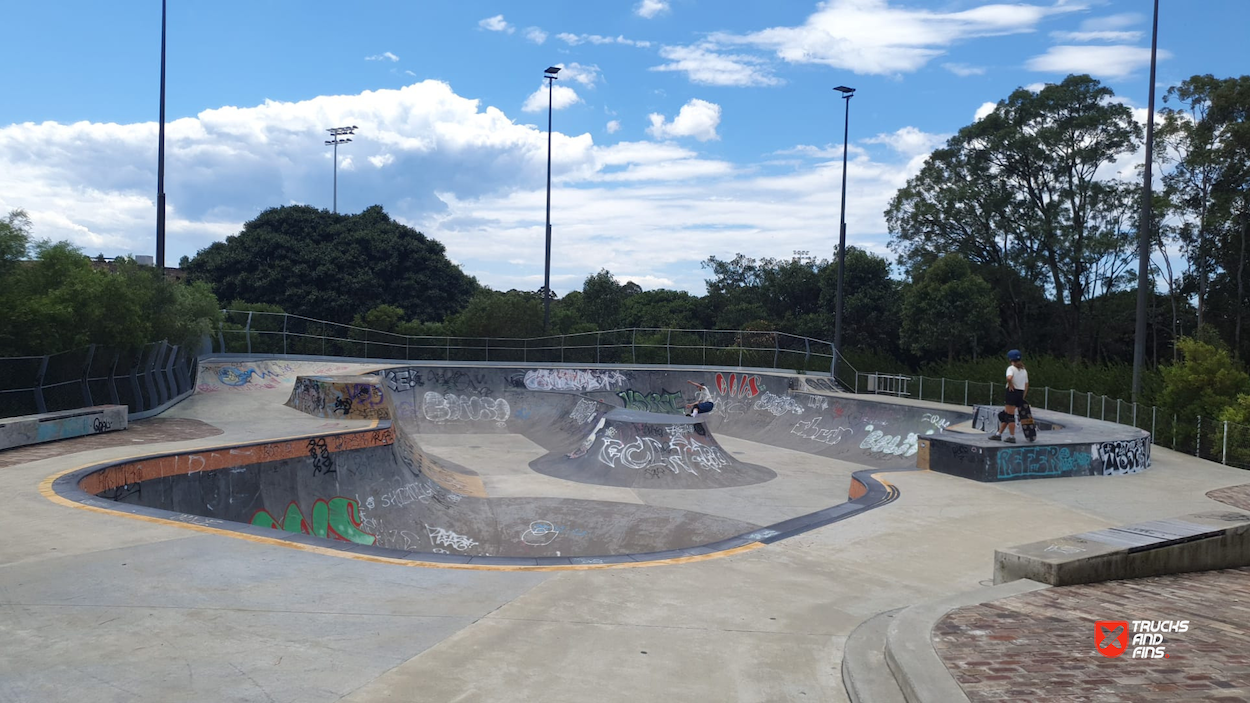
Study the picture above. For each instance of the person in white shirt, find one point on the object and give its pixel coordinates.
(702, 400)
(1017, 389)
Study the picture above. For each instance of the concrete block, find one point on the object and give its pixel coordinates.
(49, 427)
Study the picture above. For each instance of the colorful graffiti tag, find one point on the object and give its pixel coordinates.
(337, 518)
(733, 385)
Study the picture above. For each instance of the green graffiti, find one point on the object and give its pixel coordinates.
(663, 402)
(337, 518)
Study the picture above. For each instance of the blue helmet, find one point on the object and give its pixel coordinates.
(1014, 355)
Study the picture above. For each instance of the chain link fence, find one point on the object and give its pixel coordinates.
(145, 379)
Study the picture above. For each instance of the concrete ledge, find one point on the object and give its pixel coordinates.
(865, 674)
(909, 652)
(49, 427)
(1197, 542)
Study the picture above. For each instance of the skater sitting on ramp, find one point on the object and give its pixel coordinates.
(1017, 388)
(702, 401)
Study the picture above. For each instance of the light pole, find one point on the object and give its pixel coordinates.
(160, 162)
(336, 138)
(1143, 234)
(550, 75)
(847, 94)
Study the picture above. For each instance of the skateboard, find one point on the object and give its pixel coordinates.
(1027, 425)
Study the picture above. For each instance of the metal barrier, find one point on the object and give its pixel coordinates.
(146, 380)
(281, 333)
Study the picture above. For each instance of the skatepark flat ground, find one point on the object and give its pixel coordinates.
(105, 607)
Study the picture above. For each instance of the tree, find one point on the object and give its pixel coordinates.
(870, 302)
(1204, 384)
(1027, 174)
(946, 308)
(602, 298)
(516, 314)
(333, 266)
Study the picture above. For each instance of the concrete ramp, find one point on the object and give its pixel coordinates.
(640, 449)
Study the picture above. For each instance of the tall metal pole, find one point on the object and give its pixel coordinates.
(160, 162)
(1144, 227)
(550, 75)
(847, 94)
(338, 136)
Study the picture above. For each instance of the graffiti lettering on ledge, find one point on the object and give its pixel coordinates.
(667, 402)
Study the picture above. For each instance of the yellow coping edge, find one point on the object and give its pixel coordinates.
(45, 489)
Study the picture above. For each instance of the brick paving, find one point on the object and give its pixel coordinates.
(1039, 646)
(139, 432)
(1236, 496)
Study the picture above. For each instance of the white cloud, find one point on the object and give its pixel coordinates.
(462, 172)
(964, 70)
(581, 74)
(1105, 61)
(871, 37)
(704, 65)
(1098, 36)
(561, 97)
(909, 141)
(535, 35)
(496, 24)
(384, 56)
(984, 111)
(697, 118)
(613, 126)
(575, 39)
(651, 8)
(1112, 22)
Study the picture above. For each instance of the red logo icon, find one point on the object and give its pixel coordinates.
(1111, 637)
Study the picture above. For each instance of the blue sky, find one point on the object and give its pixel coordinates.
(685, 128)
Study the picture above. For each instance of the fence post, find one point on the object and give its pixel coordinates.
(942, 399)
(922, 387)
(965, 392)
(705, 347)
(86, 374)
(1103, 416)
(488, 349)
(1089, 401)
(1224, 453)
(740, 353)
(1173, 431)
(1198, 443)
(448, 348)
(1117, 411)
(776, 349)
(247, 330)
(1046, 397)
(668, 348)
(1134, 413)
(284, 320)
(598, 339)
(40, 404)
(633, 345)
(1153, 412)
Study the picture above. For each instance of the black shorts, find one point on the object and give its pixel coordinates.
(704, 407)
(1015, 397)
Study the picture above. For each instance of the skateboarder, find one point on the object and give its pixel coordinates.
(702, 401)
(1017, 388)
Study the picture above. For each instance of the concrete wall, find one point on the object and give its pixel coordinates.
(49, 427)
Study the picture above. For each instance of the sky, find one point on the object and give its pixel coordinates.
(682, 129)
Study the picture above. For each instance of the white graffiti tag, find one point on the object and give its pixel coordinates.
(811, 429)
(934, 419)
(442, 408)
(584, 412)
(443, 537)
(778, 404)
(681, 454)
(882, 443)
(540, 533)
(572, 380)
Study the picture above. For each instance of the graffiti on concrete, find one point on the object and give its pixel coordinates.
(588, 442)
(540, 533)
(937, 421)
(572, 380)
(459, 381)
(236, 376)
(584, 412)
(738, 386)
(337, 518)
(878, 442)
(1126, 456)
(778, 404)
(400, 380)
(442, 537)
(1042, 462)
(322, 462)
(682, 453)
(452, 408)
(668, 402)
(811, 429)
(817, 402)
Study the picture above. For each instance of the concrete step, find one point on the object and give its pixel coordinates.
(865, 674)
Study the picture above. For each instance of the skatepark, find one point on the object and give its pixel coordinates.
(329, 529)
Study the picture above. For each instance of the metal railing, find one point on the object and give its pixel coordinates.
(247, 332)
(1225, 442)
(145, 380)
